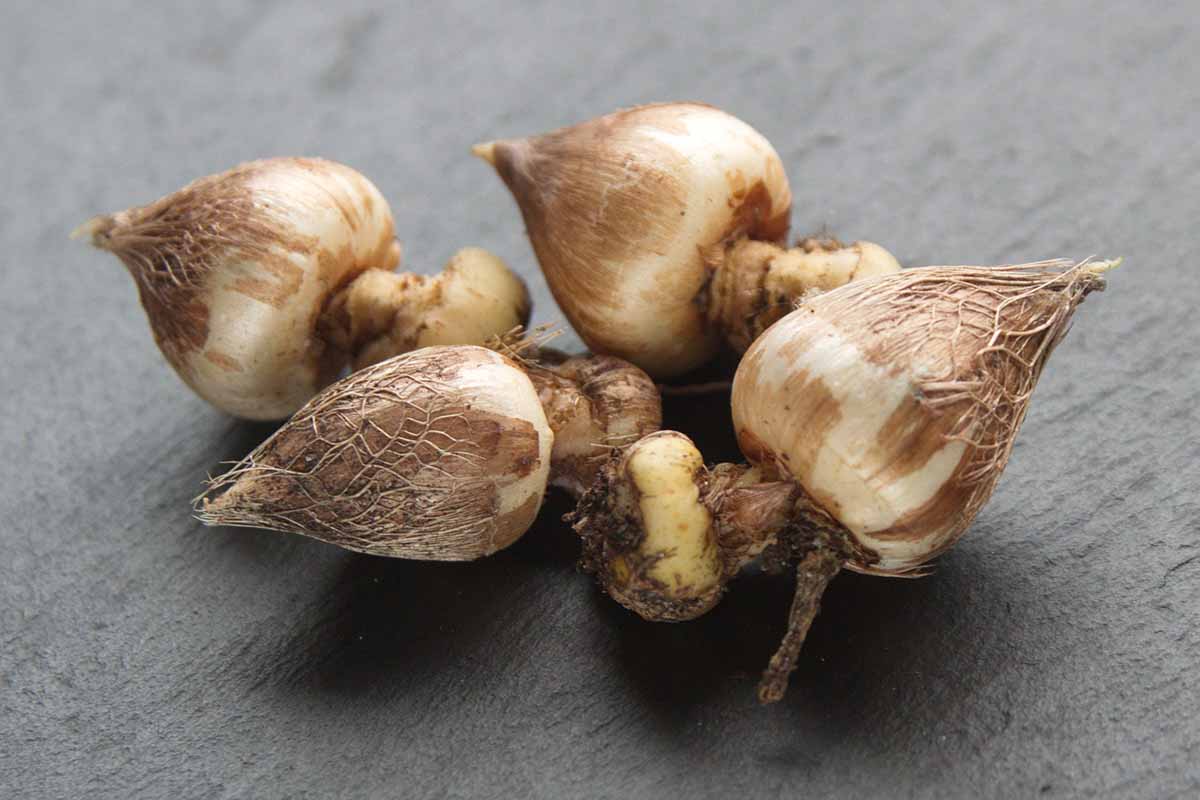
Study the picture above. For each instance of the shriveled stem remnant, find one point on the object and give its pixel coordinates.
(382, 314)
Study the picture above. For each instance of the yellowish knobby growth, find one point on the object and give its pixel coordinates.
(679, 540)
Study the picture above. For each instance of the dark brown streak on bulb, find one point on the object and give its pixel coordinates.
(752, 208)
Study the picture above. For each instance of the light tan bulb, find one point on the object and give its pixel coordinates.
(894, 403)
(443, 453)
(244, 277)
(634, 217)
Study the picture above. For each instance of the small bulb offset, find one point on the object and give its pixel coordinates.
(876, 419)
(441, 454)
(263, 282)
(658, 229)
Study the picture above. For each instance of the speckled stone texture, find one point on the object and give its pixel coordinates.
(1053, 654)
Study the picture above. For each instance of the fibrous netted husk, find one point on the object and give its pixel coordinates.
(438, 454)
(235, 269)
(895, 401)
(978, 338)
(177, 239)
(172, 245)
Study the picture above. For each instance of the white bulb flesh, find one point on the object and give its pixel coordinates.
(493, 384)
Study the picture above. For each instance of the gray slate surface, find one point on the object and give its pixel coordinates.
(1055, 652)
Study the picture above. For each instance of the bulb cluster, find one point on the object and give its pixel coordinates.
(876, 407)
(876, 420)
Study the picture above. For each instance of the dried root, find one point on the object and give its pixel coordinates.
(813, 575)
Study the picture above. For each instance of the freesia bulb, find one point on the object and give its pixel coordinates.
(894, 403)
(622, 211)
(261, 283)
(442, 453)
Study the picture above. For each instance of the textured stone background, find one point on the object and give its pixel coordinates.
(1054, 653)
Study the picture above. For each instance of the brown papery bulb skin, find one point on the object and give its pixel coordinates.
(625, 210)
(894, 402)
(261, 283)
(441, 454)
